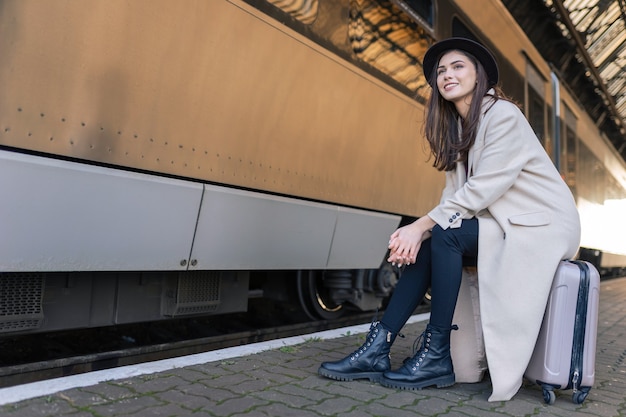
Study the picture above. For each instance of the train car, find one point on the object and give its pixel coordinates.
(165, 159)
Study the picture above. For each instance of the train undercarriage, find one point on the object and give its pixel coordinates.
(44, 302)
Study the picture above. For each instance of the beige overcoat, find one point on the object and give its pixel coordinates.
(528, 222)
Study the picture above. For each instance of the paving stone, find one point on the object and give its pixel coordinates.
(273, 396)
(213, 393)
(100, 393)
(82, 397)
(335, 406)
(232, 380)
(280, 373)
(159, 383)
(239, 405)
(126, 406)
(52, 406)
(162, 410)
(188, 401)
(283, 410)
(212, 369)
(378, 410)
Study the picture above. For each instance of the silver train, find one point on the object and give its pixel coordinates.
(164, 159)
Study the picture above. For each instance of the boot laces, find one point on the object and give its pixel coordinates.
(369, 339)
(419, 353)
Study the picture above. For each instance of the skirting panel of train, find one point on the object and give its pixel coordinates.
(164, 159)
(112, 220)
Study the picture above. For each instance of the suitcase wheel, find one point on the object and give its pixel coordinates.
(548, 395)
(579, 396)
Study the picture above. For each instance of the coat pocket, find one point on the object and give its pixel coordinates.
(540, 218)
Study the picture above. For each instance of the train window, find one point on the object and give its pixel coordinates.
(592, 176)
(460, 30)
(596, 183)
(385, 37)
(570, 159)
(535, 103)
(536, 114)
(304, 11)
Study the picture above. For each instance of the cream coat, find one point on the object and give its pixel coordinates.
(528, 222)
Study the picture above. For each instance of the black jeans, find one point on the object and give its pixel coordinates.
(439, 265)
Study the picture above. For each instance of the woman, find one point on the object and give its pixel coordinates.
(499, 181)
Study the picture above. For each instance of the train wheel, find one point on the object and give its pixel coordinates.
(428, 297)
(315, 298)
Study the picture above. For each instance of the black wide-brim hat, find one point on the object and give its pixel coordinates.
(482, 54)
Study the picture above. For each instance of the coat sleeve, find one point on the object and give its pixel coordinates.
(499, 157)
(448, 190)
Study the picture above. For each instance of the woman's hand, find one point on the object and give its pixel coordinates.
(405, 243)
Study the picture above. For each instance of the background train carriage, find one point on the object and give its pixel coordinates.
(167, 159)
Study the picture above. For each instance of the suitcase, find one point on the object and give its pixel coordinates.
(564, 356)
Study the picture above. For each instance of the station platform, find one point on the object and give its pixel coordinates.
(280, 379)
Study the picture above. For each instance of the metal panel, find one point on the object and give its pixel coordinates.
(247, 230)
(68, 301)
(139, 297)
(63, 216)
(214, 90)
(361, 238)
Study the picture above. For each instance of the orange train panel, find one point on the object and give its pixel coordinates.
(215, 91)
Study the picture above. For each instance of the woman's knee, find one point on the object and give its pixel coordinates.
(446, 240)
(463, 239)
(439, 235)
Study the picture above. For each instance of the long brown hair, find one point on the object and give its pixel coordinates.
(441, 129)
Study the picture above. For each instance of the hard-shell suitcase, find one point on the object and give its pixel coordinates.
(564, 356)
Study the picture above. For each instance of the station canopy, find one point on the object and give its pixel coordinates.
(586, 42)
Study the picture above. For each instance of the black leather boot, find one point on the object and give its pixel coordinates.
(369, 361)
(431, 365)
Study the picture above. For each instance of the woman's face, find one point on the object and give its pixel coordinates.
(456, 80)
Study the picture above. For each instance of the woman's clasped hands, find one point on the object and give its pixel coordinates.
(405, 243)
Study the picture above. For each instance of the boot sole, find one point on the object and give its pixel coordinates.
(439, 382)
(372, 376)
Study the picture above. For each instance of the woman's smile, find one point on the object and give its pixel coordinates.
(449, 86)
